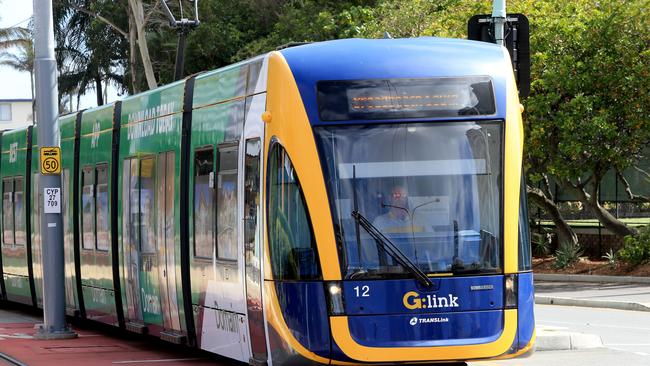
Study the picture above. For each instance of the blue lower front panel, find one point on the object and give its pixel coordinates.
(526, 321)
(427, 330)
(304, 309)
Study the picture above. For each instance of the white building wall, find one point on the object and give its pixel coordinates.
(21, 114)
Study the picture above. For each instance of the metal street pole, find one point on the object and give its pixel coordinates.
(55, 326)
(180, 53)
(183, 27)
(499, 19)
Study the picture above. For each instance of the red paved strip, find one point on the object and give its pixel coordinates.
(95, 348)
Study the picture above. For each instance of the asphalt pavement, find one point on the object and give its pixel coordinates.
(632, 295)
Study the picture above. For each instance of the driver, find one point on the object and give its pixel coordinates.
(398, 218)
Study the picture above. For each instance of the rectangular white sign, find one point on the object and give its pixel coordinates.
(52, 200)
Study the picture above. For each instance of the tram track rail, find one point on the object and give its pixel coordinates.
(10, 360)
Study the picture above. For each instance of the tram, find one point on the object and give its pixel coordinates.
(345, 202)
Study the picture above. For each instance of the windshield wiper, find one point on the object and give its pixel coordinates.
(391, 249)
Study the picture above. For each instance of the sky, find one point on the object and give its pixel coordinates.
(16, 85)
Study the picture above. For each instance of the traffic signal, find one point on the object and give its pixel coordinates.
(517, 34)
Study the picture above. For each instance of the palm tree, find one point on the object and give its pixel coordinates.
(22, 60)
(11, 37)
(21, 39)
(88, 53)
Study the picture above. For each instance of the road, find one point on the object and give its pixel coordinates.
(625, 335)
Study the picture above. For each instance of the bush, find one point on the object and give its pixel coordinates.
(612, 258)
(567, 256)
(636, 249)
(541, 244)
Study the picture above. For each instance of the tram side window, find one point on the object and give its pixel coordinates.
(101, 208)
(227, 203)
(203, 203)
(251, 196)
(524, 231)
(88, 208)
(8, 211)
(292, 244)
(19, 211)
(130, 215)
(170, 175)
(147, 206)
(65, 193)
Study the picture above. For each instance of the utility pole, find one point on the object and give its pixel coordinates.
(55, 326)
(183, 28)
(499, 19)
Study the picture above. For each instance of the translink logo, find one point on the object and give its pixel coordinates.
(412, 301)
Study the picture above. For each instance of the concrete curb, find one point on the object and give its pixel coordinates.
(589, 278)
(551, 339)
(604, 304)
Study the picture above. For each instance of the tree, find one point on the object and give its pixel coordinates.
(311, 21)
(88, 54)
(22, 61)
(18, 39)
(122, 24)
(588, 110)
(12, 37)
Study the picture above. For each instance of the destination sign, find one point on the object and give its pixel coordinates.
(405, 98)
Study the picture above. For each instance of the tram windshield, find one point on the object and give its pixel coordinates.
(431, 189)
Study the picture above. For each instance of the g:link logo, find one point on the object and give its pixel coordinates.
(412, 301)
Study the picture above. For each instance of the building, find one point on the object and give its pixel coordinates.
(15, 113)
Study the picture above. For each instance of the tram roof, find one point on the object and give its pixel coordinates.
(424, 57)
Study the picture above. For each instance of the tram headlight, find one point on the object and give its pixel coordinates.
(335, 296)
(511, 286)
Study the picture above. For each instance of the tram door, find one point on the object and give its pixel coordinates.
(130, 240)
(143, 298)
(224, 329)
(148, 239)
(252, 249)
(166, 242)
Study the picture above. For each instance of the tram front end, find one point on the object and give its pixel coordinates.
(395, 216)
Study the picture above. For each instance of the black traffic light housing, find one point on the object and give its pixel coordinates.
(517, 34)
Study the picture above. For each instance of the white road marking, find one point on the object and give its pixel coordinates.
(156, 361)
(15, 336)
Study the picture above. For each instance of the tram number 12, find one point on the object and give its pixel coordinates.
(362, 291)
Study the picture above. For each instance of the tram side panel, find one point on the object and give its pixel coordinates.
(68, 127)
(95, 164)
(3, 292)
(215, 202)
(294, 297)
(252, 150)
(16, 267)
(35, 202)
(149, 212)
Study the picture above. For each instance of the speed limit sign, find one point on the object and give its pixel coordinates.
(50, 160)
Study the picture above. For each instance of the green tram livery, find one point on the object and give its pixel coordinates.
(344, 202)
